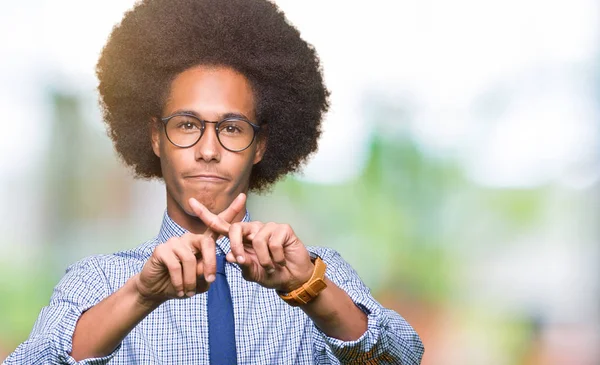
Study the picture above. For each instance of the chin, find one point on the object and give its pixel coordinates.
(208, 200)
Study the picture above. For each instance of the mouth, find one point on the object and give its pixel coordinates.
(206, 178)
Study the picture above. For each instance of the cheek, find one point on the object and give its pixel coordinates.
(171, 156)
(239, 168)
(168, 164)
(165, 163)
(246, 167)
(247, 162)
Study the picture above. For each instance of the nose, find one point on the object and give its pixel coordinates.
(208, 147)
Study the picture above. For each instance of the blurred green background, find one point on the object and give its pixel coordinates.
(458, 171)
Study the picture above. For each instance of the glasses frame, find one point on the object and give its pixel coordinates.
(256, 128)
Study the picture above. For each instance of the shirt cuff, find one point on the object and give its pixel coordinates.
(363, 349)
(64, 336)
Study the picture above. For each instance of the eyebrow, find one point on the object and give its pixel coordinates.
(220, 116)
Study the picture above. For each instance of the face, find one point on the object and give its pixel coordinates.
(206, 171)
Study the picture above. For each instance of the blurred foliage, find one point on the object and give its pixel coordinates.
(24, 288)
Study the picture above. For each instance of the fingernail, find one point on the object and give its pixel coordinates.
(191, 293)
(180, 294)
(240, 259)
(210, 278)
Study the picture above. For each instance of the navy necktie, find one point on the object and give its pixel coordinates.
(221, 330)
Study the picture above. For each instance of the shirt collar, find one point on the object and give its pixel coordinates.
(170, 228)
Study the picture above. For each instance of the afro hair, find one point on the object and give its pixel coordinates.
(158, 39)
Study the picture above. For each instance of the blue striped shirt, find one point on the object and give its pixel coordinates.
(268, 331)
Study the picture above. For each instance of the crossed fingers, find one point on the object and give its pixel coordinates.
(218, 224)
(191, 259)
(257, 247)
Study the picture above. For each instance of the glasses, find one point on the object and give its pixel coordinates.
(235, 134)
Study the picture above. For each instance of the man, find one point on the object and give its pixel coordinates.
(217, 98)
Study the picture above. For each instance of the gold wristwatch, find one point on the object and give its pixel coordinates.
(309, 290)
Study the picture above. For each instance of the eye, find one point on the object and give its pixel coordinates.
(186, 124)
(233, 128)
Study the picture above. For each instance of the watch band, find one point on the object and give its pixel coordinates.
(309, 290)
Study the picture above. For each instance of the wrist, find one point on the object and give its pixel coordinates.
(142, 298)
(310, 289)
(298, 280)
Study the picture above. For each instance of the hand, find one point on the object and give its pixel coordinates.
(269, 254)
(186, 265)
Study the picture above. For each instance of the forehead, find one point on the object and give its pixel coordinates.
(211, 91)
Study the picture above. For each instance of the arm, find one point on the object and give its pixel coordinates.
(103, 327)
(171, 272)
(389, 339)
(82, 287)
(335, 314)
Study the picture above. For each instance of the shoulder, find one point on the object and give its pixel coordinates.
(114, 268)
(137, 254)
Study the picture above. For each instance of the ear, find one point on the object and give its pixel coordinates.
(155, 131)
(260, 148)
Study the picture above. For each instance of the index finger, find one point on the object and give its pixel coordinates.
(212, 221)
(234, 208)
